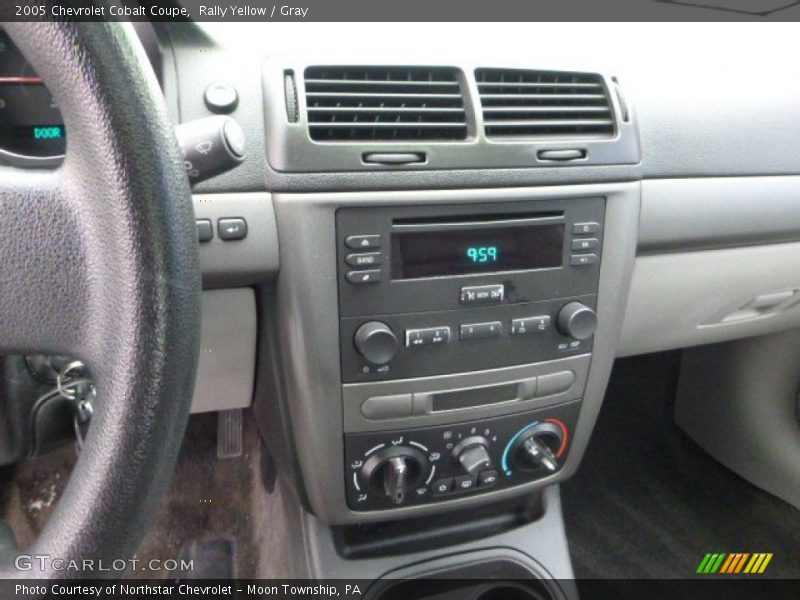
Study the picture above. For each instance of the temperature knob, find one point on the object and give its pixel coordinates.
(394, 471)
(577, 321)
(538, 447)
(376, 342)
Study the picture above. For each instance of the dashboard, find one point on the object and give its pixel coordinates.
(438, 253)
(31, 128)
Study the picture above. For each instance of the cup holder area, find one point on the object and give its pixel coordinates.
(496, 579)
(510, 591)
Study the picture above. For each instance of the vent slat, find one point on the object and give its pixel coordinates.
(383, 109)
(531, 104)
(550, 122)
(384, 104)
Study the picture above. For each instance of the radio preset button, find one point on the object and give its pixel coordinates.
(427, 336)
(585, 228)
(529, 325)
(481, 331)
(358, 242)
(370, 276)
(482, 294)
(581, 260)
(579, 244)
(363, 259)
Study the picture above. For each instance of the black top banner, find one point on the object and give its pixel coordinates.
(404, 11)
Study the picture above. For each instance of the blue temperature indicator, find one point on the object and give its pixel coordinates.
(483, 254)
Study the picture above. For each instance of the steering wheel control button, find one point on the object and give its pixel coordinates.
(221, 97)
(585, 228)
(205, 231)
(530, 325)
(582, 260)
(482, 294)
(584, 244)
(442, 486)
(380, 408)
(427, 336)
(232, 229)
(363, 259)
(370, 276)
(481, 331)
(363, 242)
(554, 383)
(487, 478)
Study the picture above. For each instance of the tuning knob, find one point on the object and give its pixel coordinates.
(577, 321)
(394, 471)
(376, 342)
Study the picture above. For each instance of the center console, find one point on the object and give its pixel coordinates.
(443, 349)
(426, 292)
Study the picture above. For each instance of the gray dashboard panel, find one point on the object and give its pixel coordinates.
(701, 213)
(308, 329)
(241, 262)
(226, 369)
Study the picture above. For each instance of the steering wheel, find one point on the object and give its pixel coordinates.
(98, 261)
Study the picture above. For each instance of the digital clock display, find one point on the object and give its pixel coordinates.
(446, 252)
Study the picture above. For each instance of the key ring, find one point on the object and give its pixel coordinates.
(68, 391)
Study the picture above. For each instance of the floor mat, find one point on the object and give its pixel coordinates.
(647, 502)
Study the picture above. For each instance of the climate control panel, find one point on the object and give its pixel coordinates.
(435, 464)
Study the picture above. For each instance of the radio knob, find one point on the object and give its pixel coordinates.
(577, 321)
(376, 342)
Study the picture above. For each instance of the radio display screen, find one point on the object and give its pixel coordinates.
(417, 254)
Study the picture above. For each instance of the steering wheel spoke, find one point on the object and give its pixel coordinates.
(44, 294)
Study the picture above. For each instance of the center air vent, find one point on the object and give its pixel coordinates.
(532, 104)
(384, 104)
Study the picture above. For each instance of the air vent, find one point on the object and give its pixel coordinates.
(384, 104)
(533, 104)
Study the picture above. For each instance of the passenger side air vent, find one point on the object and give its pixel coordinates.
(534, 104)
(384, 104)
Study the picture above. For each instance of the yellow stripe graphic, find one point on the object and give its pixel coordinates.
(753, 563)
(740, 564)
(765, 563)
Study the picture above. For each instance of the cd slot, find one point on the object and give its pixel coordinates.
(475, 397)
(471, 222)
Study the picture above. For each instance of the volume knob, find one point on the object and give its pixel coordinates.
(376, 342)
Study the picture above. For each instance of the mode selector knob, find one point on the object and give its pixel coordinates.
(376, 342)
(577, 321)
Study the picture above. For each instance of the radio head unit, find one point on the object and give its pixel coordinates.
(430, 290)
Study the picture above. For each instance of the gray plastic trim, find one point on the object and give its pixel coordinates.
(691, 214)
(308, 330)
(226, 369)
(738, 400)
(543, 541)
(290, 148)
(243, 262)
(685, 299)
(354, 394)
